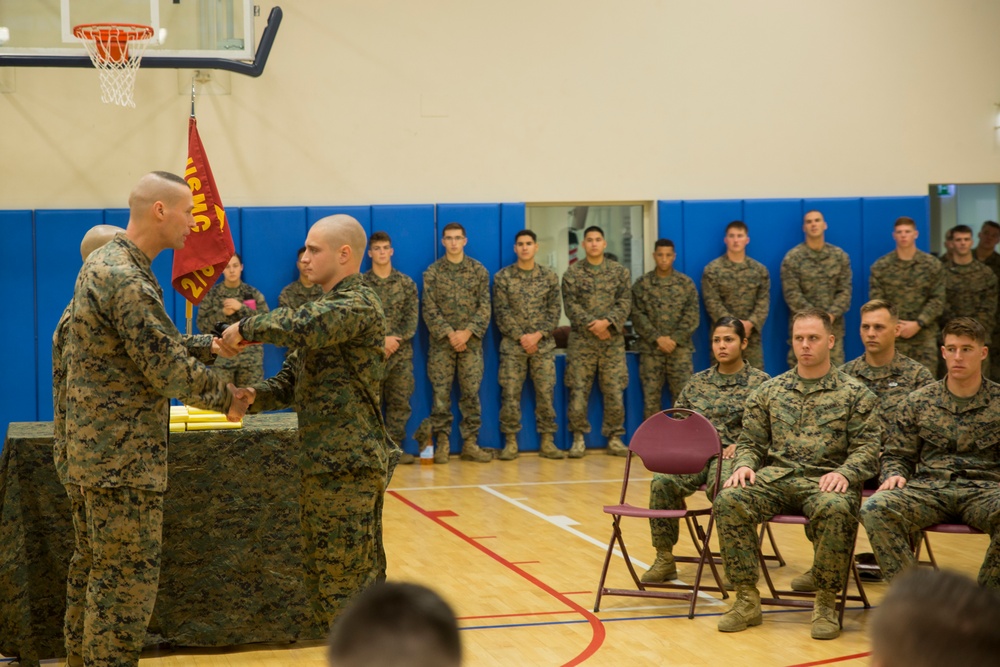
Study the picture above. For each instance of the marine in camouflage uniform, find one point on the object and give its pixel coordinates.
(295, 294)
(332, 381)
(664, 305)
(593, 292)
(917, 288)
(248, 367)
(124, 357)
(527, 302)
(719, 398)
(741, 290)
(820, 277)
(400, 304)
(456, 298)
(970, 291)
(989, 236)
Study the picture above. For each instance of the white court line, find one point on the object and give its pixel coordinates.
(480, 486)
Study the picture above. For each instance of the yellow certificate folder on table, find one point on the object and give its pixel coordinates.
(185, 418)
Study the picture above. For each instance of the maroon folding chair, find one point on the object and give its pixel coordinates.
(672, 442)
(949, 528)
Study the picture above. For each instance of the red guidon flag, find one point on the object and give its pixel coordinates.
(209, 247)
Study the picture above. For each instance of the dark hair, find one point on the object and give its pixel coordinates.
(964, 326)
(881, 304)
(396, 624)
(931, 618)
(593, 228)
(301, 250)
(172, 177)
(903, 220)
(959, 229)
(738, 225)
(525, 232)
(991, 223)
(238, 257)
(809, 313)
(663, 243)
(452, 225)
(733, 323)
(379, 237)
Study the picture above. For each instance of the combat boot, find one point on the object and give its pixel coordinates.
(825, 624)
(441, 450)
(509, 452)
(745, 611)
(804, 582)
(578, 449)
(407, 459)
(616, 447)
(473, 452)
(549, 449)
(663, 568)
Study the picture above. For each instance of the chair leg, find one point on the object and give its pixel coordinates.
(930, 554)
(615, 534)
(765, 530)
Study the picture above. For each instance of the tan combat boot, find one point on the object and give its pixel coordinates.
(473, 452)
(616, 447)
(825, 624)
(804, 582)
(441, 450)
(578, 449)
(509, 452)
(549, 450)
(407, 459)
(745, 611)
(663, 568)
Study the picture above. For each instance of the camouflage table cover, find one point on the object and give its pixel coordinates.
(231, 567)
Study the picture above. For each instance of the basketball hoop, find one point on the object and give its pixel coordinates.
(115, 49)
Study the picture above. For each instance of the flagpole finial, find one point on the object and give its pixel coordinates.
(192, 94)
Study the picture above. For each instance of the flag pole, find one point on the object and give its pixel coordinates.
(188, 306)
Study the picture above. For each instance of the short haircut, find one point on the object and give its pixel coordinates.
(663, 243)
(903, 220)
(172, 177)
(397, 625)
(739, 226)
(810, 313)
(992, 223)
(379, 237)
(452, 225)
(931, 618)
(301, 250)
(525, 232)
(733, 323)
(813, 210)
(959, 229)
(593, 228)
(964, 326)
(881, 304)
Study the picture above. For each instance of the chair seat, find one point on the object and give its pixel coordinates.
(954, 529)
(793, 519)
(647, 513)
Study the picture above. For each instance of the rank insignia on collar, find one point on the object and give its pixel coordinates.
(893, 384)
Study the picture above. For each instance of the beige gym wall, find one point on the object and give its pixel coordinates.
(411, 101)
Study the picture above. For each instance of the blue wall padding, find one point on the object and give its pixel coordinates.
(362, 214)
(414, 239)
(512, 219)
(482, 227)
(22, 388)
(57, 263)
(670, 225)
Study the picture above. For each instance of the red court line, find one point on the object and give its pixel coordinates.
(597, 628)
(829, 661)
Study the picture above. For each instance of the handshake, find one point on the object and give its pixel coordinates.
(242, 399)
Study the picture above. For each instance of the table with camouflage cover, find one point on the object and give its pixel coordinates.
(230, 570)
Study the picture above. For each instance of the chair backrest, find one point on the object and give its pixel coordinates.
(676, 442)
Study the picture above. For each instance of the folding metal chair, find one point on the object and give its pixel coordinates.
(672, 442)
(949, 528)
(782, 597)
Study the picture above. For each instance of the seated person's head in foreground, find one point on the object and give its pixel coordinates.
(931, 618)
(396, 625)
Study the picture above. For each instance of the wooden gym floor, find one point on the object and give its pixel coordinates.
(516, 548)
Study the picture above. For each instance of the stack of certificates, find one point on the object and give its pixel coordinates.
(184, 418)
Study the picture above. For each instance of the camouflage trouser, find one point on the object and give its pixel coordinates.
(245, 369)
(654, 368)
(891, 516)
(340, 547)
(76, 577)
(836, 354)
(126, 531)
(606, 360)
(753, 355)
(834, 518)
(397, 387)
(382, 562)
(667, 492)
(514, 368)
(922, 348)
(443, 364)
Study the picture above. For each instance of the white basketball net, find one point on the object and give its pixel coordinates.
(116, 52)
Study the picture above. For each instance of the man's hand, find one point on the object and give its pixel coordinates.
(741, 477)
(666, 343)
(600, 329)
(458, 339)
(908, 328)
(230, 306)
(242, 398)
(220, 348)
(894, 482)
(833, 481)
(729, 452)
(529, 342)
(748, 325)
(232, 336)
(391, 345)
